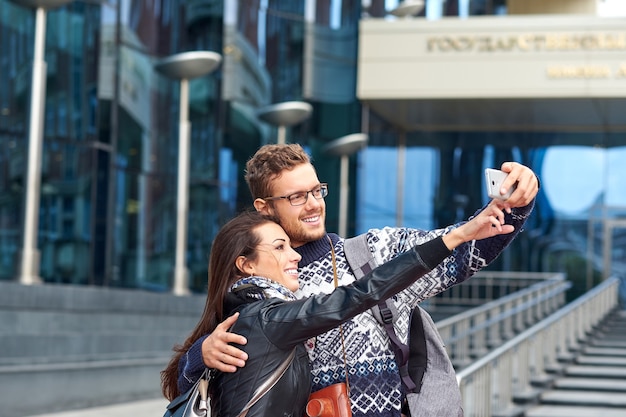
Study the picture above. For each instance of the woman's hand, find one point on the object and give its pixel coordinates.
(488, 223)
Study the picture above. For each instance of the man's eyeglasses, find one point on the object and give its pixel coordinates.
(301, 197)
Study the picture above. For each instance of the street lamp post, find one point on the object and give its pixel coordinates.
(30, 259)
(288, 113)
(183, 67)
(344, 147)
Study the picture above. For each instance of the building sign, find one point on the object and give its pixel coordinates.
(492, 57)
(529, 43)
(585, 71)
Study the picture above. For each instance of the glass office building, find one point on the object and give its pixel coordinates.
(107, 200)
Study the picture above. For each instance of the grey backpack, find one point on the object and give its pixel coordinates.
(426, 371)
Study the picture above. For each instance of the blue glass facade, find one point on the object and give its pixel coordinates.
(107, 212)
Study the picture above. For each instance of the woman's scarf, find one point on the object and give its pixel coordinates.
(267, 287)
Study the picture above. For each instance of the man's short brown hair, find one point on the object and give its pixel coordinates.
(268, 163)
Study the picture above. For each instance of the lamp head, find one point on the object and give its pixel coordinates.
(288, 113)
(188, 65)
(346, 145)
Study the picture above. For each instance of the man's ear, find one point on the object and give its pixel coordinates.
(262, 206)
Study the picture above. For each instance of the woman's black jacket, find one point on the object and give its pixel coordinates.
(273, 327)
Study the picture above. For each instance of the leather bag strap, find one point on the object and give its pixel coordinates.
(269, 383)
(336, 281)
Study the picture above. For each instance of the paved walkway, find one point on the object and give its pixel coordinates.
(144, 408)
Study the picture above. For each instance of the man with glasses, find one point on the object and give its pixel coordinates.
(284, 183)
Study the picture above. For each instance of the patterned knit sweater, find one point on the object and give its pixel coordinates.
(375, 388)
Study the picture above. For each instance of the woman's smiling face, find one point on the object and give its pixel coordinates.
(275, 258)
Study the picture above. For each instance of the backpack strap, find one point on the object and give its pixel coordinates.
(418, 361)
(361, 261)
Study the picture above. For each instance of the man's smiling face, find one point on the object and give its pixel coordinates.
(304, 223)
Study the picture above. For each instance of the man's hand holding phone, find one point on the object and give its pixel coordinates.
(514, 184)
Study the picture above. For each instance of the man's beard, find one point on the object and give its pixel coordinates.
(298, 233)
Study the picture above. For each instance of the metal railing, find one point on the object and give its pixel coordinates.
(475, 332)
(483, 287)
(491, 384)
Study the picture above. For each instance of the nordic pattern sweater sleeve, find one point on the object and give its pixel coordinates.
(464, 261)
(191, 366)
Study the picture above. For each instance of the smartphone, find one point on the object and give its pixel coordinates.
(494, 179)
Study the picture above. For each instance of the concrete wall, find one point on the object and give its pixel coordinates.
(67, 347)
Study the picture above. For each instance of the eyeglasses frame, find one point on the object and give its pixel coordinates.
(323, 186)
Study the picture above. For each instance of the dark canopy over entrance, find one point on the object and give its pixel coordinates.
(572, 121)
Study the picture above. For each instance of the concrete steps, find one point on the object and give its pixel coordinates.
(61, 344)
(594, 384)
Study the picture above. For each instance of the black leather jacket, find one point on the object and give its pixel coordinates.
(273, 327)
